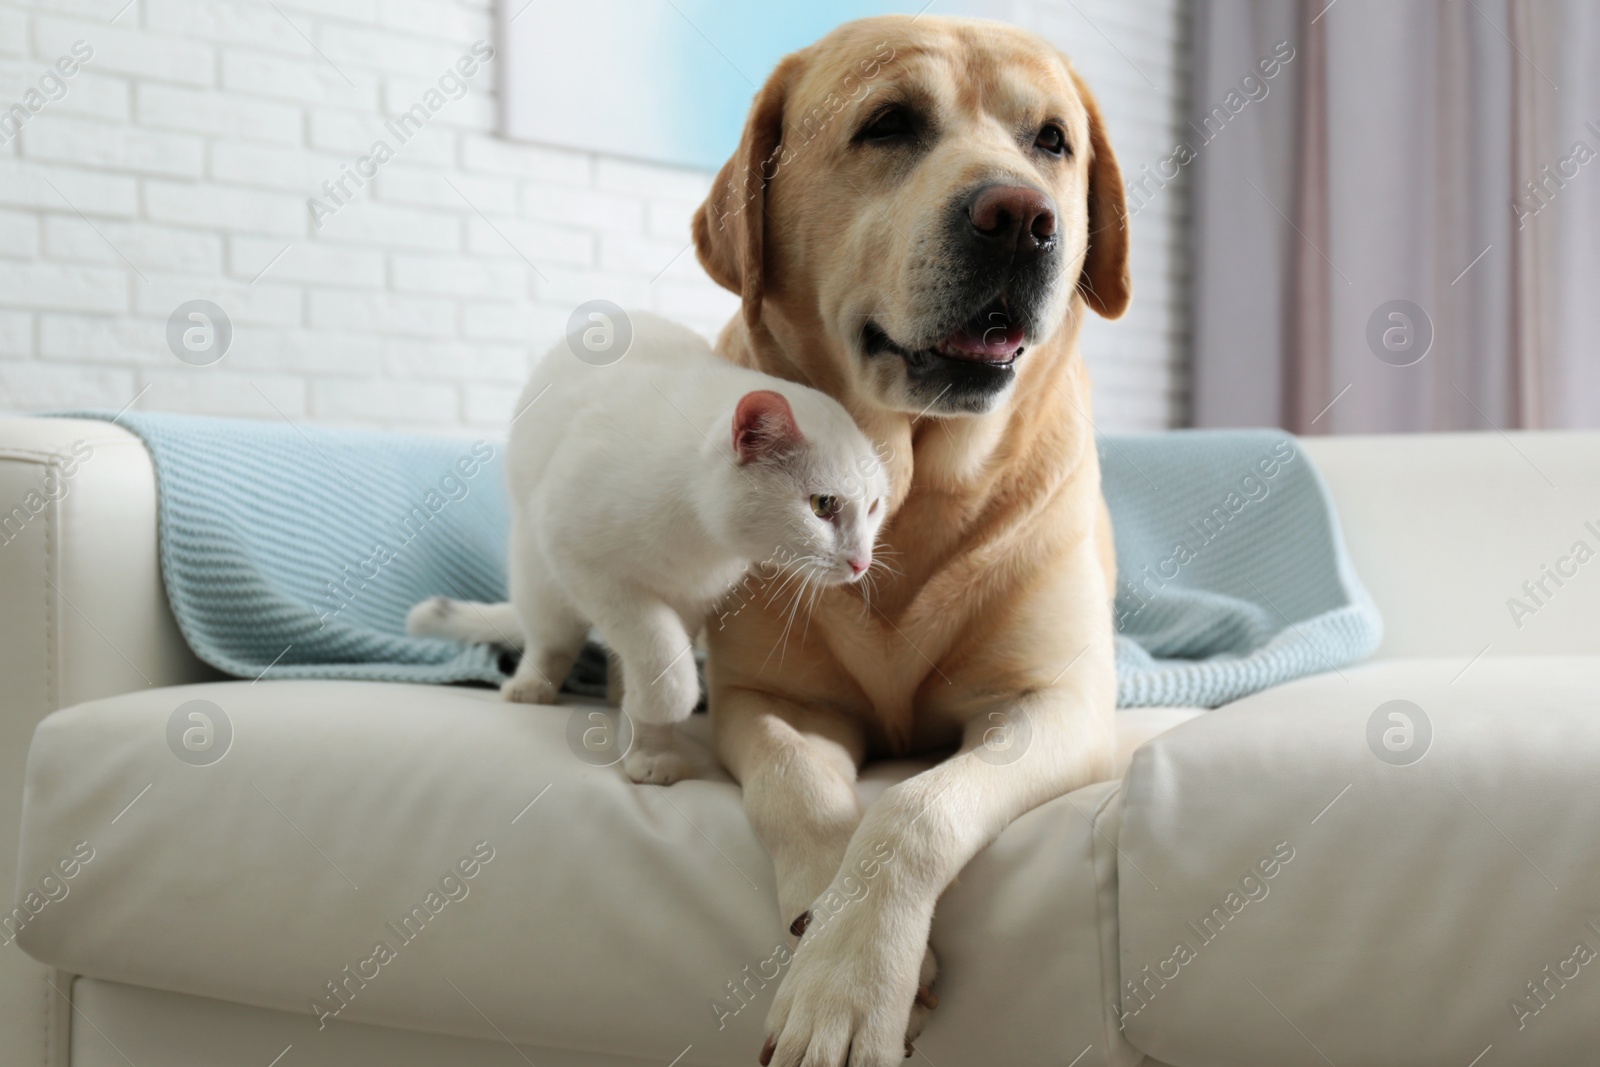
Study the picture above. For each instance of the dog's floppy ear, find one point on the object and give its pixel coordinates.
(729, 228)
(1104, 282)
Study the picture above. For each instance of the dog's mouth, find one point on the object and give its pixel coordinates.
(993, 337)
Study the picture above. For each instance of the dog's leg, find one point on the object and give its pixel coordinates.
(798, 770)
(854, 981)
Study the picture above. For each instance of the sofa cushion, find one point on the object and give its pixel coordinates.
(133, 1024)
(1399, 863)
(518, 889)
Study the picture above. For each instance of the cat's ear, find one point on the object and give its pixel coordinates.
(763, 425)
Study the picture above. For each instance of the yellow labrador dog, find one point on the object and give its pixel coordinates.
(917, 217)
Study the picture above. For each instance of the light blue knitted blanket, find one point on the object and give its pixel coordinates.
(1231, 570)
(299, 549)
(295, 551)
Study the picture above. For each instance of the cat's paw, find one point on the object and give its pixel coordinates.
(431, 618)
(649, 766)
(520, 690)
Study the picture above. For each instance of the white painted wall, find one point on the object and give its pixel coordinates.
(178, 163)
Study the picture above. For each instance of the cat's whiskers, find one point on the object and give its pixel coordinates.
(868, 586)
(880, 562)
(818, 588)
(869, 580)
(788, 624)
(791, 573)
(801, 569)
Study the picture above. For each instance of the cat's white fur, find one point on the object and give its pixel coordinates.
(642, 492)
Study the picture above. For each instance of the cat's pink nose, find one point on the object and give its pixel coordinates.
(860, 565)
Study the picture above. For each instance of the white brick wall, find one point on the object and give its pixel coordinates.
(1134, 55)
(178, 165)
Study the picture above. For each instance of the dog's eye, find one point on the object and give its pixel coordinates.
(824, 506)
(887, 125)
(1053, 140)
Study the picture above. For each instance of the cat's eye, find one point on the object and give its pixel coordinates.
(824, 506)
(873, 510)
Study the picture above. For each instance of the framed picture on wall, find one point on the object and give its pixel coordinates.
(665, 81)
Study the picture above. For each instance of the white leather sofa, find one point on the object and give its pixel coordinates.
(1265, 887)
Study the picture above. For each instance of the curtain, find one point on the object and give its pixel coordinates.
(1397, 214)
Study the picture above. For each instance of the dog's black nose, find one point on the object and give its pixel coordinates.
(1010, 222)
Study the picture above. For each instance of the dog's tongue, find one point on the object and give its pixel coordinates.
(993, 343)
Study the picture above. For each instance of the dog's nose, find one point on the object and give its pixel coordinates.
(1012, 220)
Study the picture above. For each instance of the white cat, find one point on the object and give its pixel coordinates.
(641, 493)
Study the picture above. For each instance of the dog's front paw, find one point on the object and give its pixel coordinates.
(850, 992)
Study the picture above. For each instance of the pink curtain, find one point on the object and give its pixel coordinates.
(1399, 228)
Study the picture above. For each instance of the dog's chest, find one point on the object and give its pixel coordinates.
(897, 651)
(876, 650)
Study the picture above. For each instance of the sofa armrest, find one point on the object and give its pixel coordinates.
(83, 614)
(1374, 866)
(86, 613)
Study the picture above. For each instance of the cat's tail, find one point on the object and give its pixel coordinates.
(464, 620)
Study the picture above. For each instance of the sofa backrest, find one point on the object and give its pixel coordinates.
(1475, 541)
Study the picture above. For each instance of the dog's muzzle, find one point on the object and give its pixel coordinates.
(1004, 256)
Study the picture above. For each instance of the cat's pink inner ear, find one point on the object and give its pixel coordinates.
(763, 425)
